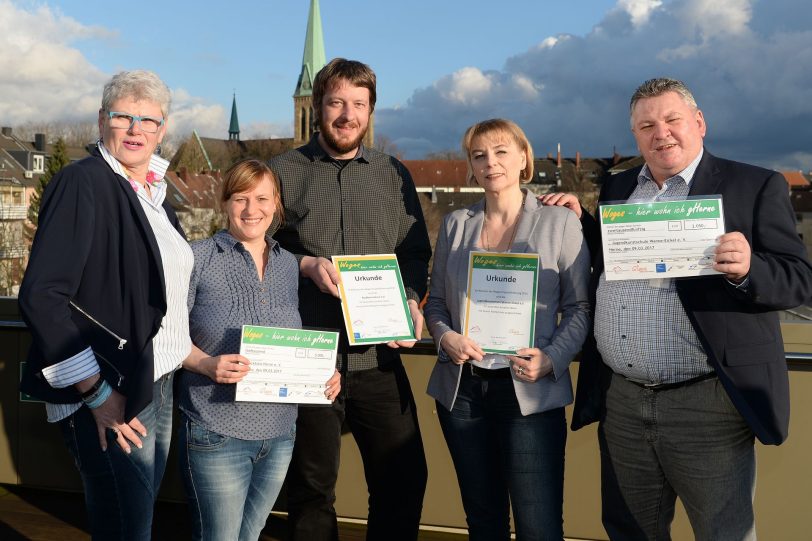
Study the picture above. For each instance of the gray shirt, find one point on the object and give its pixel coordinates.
(225, 294)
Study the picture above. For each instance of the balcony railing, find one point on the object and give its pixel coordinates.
(15, 251)
(13, 212)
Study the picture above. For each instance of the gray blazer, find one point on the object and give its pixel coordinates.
(555, 234)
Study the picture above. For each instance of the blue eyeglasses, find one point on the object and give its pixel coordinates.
(125, 121)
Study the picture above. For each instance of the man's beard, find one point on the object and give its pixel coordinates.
(341, 147)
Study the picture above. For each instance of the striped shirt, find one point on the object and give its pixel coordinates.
(641, 327)
(172, 343)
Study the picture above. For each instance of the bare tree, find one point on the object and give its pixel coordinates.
(386, 145)
(74, 134)
(447, 154)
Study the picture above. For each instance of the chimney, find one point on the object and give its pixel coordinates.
(615, 156)
(39, 141)
(558, 159)
(577, 160)
(6, 130)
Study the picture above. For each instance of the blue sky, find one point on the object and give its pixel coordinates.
(562, 69)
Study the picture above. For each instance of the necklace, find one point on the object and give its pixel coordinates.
(512, 234)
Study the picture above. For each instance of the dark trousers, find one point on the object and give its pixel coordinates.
(378, 408)
(504, 458)
(688, 442)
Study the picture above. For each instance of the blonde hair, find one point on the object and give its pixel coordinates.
(244, 176)
(497, 127)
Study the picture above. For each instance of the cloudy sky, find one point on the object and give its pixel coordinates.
(562, 70)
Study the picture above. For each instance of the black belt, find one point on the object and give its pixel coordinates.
(484, 373)
(669, 386)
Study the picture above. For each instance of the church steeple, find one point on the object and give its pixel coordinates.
(234, 127)
(313, 60)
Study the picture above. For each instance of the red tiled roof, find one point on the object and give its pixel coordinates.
(200, 190)
(796, 179)
(427, 173)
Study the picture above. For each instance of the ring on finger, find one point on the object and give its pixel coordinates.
(520, 371)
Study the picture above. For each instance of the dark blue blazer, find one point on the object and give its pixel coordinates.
(738, 329)
(95, 247)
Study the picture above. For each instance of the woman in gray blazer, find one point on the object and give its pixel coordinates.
(503, 416)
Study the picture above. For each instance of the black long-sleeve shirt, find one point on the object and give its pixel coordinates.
(366, 205)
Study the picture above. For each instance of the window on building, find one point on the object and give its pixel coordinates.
(12, 195)
(39, 163)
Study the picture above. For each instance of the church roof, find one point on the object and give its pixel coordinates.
(313, 58)
(208, 154)
(234, 127)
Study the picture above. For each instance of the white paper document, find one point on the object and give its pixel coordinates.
(287, 365)
(661, 239)
(373, 299)
(500, 309)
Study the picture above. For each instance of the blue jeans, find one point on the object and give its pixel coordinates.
(231, 483)
(120, 489)
(501, 457)
(688, 442)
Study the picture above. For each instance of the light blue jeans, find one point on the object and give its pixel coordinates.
(231, 483)
(120, 488)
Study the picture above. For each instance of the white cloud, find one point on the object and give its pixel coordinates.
(748, 62)
(639, 11)
(266, 130)
(466, 86)
(45, 78)
(191, 113)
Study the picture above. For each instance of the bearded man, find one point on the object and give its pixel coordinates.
(342, 198)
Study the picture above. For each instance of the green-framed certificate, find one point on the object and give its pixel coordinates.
(661, 239)
(373, 299)
(287, 365)
(500, 307)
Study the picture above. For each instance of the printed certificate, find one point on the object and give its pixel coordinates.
(500, 308)
(373, 300)
(287, 365)
(661, 239)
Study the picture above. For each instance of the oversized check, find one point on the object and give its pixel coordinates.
(287, 365)
(500, 307)
(373, 299)
(661, 239)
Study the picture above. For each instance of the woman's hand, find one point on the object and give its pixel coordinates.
(460, 348)
(224, 368)
(111, 415)
(531, 364)
(333, 386)
(220, 369)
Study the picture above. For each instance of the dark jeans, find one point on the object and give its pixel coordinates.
(120, 489)
(502, 457)
(378, 408)
(688, 442)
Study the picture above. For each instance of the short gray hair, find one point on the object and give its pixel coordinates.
(138, 85)
(659, 86)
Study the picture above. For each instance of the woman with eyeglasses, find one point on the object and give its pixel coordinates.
(104, 296)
